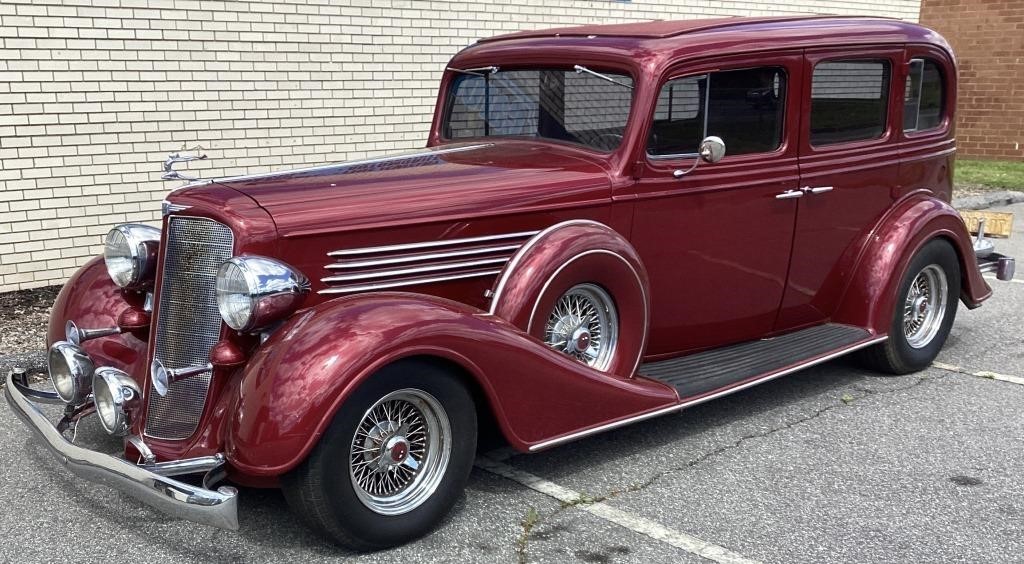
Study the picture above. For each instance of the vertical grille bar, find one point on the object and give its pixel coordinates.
(188, 323)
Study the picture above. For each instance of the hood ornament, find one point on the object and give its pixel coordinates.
(171, 174)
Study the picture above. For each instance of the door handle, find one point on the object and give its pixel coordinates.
(816, 189)
(789, 195)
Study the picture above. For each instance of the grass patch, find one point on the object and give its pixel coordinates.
(995, 175)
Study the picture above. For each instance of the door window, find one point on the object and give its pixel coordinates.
(743, 107)
(922, 106)
(849, 101)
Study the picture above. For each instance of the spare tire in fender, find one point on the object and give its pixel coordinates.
(567, 255)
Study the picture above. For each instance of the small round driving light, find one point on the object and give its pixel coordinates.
(70, 371)
(254, 292)
(130, 254)
(116, 396)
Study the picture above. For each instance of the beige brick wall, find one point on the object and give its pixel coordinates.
(95, 93)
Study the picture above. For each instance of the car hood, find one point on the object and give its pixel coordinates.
(442, 181)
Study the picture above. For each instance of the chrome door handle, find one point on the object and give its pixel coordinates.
(816, 189)
(789, 195)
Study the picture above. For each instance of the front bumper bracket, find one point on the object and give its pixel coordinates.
(150, 483)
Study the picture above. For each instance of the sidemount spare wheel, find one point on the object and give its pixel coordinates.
(580, 288)
(392, 462)
(925, 307)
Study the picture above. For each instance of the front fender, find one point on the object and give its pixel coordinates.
(301, 376)
(869, 300)
(92, 300)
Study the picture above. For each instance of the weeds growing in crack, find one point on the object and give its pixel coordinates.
(528, 523)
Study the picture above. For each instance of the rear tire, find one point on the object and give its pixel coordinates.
(413, 428)
(925, 308)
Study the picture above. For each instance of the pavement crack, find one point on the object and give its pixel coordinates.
(844, 401)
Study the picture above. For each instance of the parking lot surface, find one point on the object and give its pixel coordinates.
(833, 464)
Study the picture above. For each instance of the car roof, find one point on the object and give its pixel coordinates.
(649, 29)
(655, 43)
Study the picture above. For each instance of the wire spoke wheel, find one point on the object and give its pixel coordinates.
(925, 306)
(400, 451)
(584, 325)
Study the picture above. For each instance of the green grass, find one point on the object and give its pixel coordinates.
(997, 175)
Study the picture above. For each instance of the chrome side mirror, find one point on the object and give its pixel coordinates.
(711, 150)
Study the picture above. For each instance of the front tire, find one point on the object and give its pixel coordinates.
(392, 462)
(926, 305)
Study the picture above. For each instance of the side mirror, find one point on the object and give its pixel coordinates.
(711, 150)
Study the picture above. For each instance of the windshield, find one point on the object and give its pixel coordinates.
(585, 108)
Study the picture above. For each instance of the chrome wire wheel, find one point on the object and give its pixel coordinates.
(584, 325)
(400, 451)
(925, 306)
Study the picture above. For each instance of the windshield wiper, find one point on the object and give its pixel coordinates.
(581, 69)
(485, 72)
(479, 71)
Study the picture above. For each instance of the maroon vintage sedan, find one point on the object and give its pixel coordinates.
(609, 223)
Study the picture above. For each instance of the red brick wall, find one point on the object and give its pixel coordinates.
(988, 39)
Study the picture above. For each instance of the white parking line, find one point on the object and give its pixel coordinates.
(980, 373)
(635, 523)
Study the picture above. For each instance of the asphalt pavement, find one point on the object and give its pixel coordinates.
(832, 464)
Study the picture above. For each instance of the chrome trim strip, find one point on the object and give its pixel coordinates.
(376, 160)
(413, 270)
(424, 257)
(409, 282)
(429, 244)
(215, 508)
(683, 405)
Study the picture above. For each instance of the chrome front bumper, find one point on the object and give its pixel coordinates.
(150, 483)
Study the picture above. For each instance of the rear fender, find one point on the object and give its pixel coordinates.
(870, 298)
(302, 375)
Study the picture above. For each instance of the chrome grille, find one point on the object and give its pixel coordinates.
(188, 323)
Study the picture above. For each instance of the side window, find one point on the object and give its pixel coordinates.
(849, 101)
(743, 107)
(923, 97)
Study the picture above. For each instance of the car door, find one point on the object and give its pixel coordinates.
(716, 240)
(849, 170)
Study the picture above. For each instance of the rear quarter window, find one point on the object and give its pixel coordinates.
(924, 96)
(849, 101)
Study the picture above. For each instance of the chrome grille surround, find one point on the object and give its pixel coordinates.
(188, 322)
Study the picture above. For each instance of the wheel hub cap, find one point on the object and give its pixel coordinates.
(584, 325)
(400, 452)
(925, 306)
(397, 448)
(580, 340)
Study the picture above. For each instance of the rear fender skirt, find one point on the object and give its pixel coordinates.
(870, 298)
(301, 376)
(570, 253)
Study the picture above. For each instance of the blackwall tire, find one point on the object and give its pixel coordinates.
(411, 413)
(925, 308)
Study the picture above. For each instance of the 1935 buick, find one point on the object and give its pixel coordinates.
(553, 265)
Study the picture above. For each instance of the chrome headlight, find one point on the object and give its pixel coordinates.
(116, 395)
(130, 254)
(70, 371)
(253, 291)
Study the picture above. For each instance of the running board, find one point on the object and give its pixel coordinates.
(698, 374)
(793, 342)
